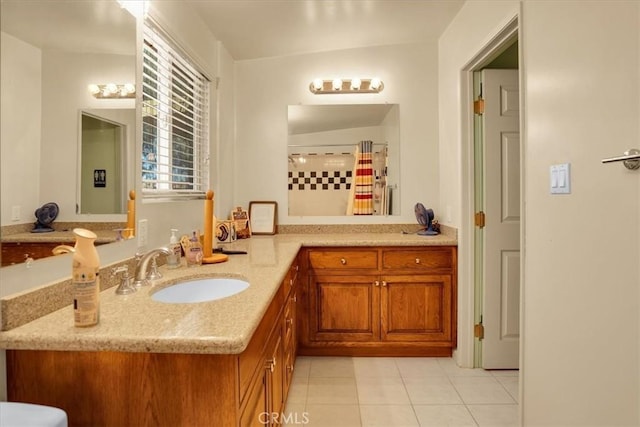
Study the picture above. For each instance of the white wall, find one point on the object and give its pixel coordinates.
(20, 83)
(581, 332)
(264, 89)
(581, 296)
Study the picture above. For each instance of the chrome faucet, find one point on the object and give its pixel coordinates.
(142, 265)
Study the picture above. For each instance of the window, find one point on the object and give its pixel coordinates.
(175, 117)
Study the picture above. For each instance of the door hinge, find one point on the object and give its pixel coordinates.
(478, 106)
(480, 219)
(478, 331)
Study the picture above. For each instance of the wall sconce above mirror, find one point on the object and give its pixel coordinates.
(343, 86)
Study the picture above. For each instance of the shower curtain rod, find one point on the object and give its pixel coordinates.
(329, 145)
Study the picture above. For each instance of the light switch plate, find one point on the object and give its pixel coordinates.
(15, 213)
(560, 178)
(143, 233)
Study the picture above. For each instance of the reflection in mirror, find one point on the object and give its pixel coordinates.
(333, 170)
(51, 51)
(104, 138)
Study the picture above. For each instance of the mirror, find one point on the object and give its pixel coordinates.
(51, 51)
(330, 172)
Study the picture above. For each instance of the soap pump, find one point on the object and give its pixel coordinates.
(85, 279)
(173, 260)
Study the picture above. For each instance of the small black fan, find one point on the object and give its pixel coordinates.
(425, 218)
(45, 217)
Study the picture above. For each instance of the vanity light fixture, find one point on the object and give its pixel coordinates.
(355, 85)
(113, 91)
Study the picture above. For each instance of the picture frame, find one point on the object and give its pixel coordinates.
(262, 217)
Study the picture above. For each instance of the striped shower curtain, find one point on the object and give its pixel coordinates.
(363, 179)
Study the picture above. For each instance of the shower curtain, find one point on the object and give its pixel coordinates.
(363, 179)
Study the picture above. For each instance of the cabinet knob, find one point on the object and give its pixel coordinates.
(377, 283)
(289, 322)
(417, 260)
(290, 368)
(384, 283)
(343, 261)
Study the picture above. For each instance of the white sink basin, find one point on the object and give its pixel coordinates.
(200, 290)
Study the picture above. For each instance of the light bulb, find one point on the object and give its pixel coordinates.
(337, 84)
(317, 84)
(94, 89)
(130, 88)
(375, 83)
(355, 83)
(111, 88)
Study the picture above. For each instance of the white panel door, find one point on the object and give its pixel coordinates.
(501, 302)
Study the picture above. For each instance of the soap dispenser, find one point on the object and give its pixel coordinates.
(85, 279)
(173, 260)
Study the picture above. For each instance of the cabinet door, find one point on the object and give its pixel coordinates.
(275, 372)
(416, 308)
(344, 308)
(256, 413)
(290, 341)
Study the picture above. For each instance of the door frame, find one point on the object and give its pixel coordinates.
(489, 51)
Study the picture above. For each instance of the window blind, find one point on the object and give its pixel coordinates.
(175, 116)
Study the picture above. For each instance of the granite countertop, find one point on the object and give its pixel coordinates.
(136, 323)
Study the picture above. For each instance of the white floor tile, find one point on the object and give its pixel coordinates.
(332, 391)
(332, 367)
(495, 415)
(443, 416)
(388, 416)
(479, 390)
(505, 372)
(302, 368)
(333, 416)
(431, 391)
(297, 392)
(293, 415)
(412, 367)
(412, 391)
(511, 384)
(382, 391)
(375, 367)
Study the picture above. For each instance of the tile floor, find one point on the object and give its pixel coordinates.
(399, 392)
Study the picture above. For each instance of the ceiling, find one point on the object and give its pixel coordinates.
(89, 26)
(251, 29)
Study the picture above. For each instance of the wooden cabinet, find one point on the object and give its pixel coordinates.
(266, 367)
(120, 388)
(380, 301)
(17, 252)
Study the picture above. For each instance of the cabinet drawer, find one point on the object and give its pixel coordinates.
(347, 259)
(418, 259)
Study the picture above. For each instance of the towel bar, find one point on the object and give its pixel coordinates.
(631, 159)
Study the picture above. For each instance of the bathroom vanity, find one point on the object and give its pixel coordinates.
(230, 361)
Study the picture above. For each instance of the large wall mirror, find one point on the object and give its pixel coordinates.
(343, 160)
(52, 50)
